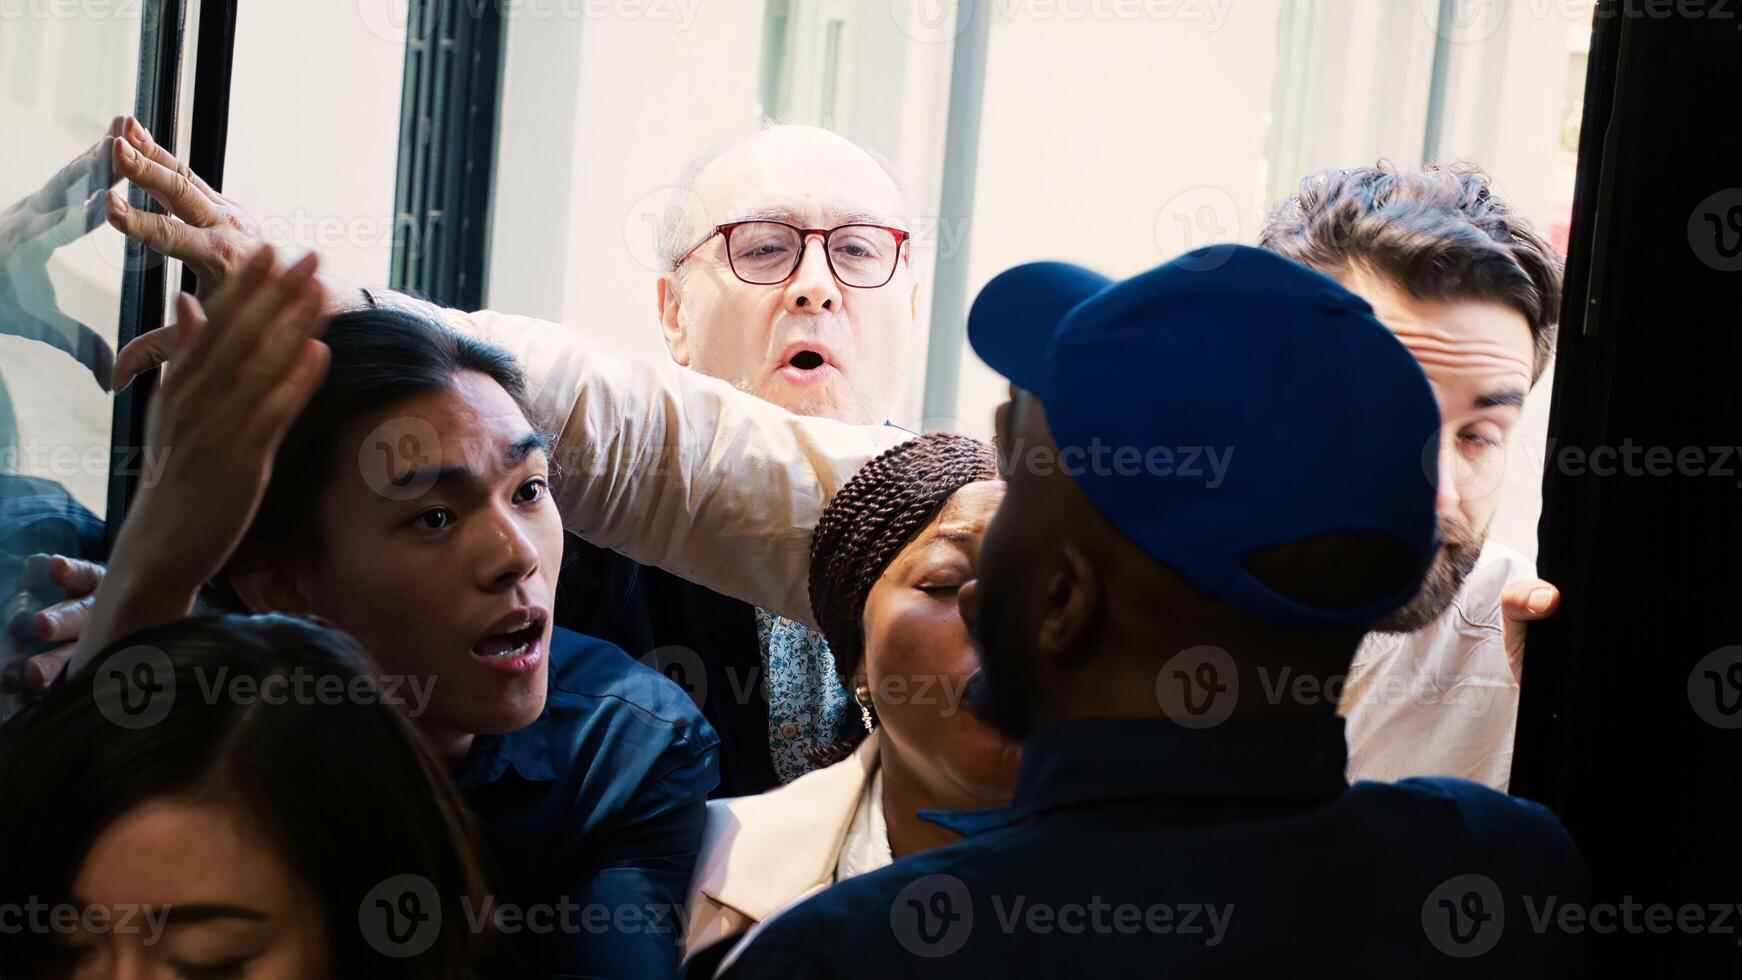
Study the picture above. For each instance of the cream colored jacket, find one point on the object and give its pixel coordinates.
(762, 853)
(679, 470)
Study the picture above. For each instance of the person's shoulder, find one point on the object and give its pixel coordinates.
(853, 915)
(1486, 818)
(594, 677)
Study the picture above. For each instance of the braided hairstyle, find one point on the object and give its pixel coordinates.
(866, 525)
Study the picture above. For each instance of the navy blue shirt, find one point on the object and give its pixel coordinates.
(1142, 848)
(592, 818)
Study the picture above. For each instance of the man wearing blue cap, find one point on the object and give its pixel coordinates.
(1161, 646)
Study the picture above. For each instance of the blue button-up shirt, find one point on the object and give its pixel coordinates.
(1142, 848)
(592, 818)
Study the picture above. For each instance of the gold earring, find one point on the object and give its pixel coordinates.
(862, 694)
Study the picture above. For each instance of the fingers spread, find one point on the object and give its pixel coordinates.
(140, 139)
(159, 232)
(173, 187)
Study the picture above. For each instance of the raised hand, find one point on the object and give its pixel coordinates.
(207, 231)
(246, 364)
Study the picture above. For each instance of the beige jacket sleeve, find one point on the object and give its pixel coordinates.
(679, 470)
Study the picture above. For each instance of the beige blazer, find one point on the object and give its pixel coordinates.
(761, 853)
(679, 470)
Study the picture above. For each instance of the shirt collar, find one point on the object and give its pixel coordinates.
(1102, 759)
(525, 750)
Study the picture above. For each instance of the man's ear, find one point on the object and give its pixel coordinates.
(272, 588)
(1071, 604)
(670, 324)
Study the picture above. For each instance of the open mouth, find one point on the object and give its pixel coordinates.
(807, 360)
(514, 644)
(505, 646)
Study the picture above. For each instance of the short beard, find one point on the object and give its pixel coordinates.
(1460, 546)
(998, 694)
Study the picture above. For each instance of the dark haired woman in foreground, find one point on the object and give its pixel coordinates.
(232, 817)
(406, 499)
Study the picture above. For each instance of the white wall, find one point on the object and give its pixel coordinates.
(314, 127)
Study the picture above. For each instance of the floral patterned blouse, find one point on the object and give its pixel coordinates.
(805, 699)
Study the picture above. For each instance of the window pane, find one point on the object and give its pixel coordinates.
(66, 71)
(314, 128)
(1120, 141)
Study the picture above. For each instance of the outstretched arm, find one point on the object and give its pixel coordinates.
(682, 471)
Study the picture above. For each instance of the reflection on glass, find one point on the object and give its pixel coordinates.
(68, 74)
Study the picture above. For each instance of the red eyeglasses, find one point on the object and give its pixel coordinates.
(767, 253)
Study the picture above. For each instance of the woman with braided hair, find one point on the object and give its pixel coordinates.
(887, 558)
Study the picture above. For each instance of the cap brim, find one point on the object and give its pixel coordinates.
(1013, 320)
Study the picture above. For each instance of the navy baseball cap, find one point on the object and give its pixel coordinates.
(1222, 404)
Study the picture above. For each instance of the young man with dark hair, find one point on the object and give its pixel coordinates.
(1475, 294)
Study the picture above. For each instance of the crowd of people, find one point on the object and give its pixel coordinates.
(1204, 665)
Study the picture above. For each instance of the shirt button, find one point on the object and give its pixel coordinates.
(789, 731)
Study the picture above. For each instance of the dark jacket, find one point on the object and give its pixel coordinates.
(591, 818)
(1143, 848)
(682, 629)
